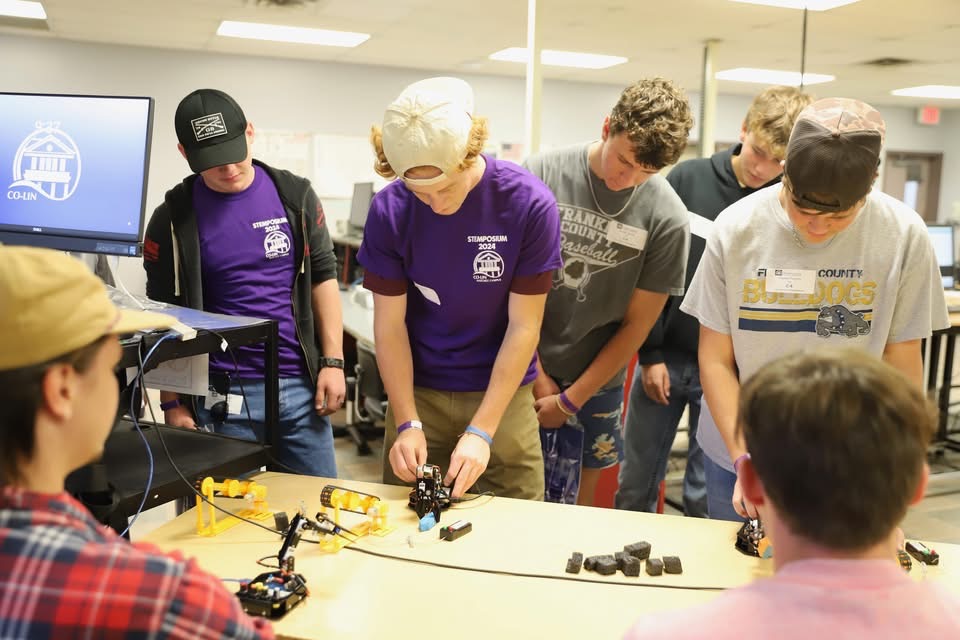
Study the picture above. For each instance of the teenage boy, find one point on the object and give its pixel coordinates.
(819, 259)
(838, 443)
(625, 238)
(459, 251)
(239, 237)
(667, 377)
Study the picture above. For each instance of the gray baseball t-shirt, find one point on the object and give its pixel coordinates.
(613, 242)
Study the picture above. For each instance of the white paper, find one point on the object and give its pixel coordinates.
(428, 293)
(184, 375)
(700, 226)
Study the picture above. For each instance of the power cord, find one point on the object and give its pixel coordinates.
(134, 413)
(541, 576)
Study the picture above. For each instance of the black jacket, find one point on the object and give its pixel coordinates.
(707, 186)
(171, 252)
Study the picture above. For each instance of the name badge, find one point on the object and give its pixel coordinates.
(633, 237)
(791, 281)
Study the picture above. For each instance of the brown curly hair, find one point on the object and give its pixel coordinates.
(655, 115)
(478, 139)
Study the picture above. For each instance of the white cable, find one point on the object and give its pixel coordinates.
(116, 278)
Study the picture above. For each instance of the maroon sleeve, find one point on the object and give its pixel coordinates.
(384, 286)
(532, 285)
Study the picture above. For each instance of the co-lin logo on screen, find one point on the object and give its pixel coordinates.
(47, 163)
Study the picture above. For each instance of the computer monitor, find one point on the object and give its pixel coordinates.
(74, 171)
(941, 235)
(360, 205)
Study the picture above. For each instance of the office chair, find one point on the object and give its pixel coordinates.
(366, 400)
(369, 387)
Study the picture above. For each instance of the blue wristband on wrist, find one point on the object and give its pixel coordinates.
(481, 433)
(410, 424)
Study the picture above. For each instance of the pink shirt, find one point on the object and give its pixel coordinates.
(820, 600)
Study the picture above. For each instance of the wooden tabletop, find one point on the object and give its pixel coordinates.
(358, 595)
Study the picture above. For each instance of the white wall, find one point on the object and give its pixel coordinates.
(338, 99)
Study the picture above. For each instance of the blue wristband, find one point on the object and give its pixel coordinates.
(479, 432)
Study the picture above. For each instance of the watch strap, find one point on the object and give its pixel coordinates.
(335, 363)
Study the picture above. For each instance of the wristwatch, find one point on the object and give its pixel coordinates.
(336, 363)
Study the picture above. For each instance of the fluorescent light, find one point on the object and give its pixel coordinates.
(813, 5)
(772, 76)
(930, 91)
(554, 58)
(282, 33)
(22, 9)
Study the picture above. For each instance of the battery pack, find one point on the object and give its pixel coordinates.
(455, 530)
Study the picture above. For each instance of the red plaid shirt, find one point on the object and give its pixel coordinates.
(64, 575)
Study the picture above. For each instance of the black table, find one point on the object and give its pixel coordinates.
(214, 328)
(196, 454)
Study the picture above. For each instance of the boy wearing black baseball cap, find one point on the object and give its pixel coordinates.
(241, 238)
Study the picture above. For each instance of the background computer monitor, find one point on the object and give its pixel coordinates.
(359, 205)
(941, 235)
(73, 170)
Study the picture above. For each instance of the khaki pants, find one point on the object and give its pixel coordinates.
(516, 461)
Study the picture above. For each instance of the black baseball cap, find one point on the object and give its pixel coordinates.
(211, 126)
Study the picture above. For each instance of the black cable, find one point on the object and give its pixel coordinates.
(138, 382)
(260, 562)
(456, 501)
(193, 488)
(542, 576)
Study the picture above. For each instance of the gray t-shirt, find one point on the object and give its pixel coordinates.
(612, 244)
(874, 283)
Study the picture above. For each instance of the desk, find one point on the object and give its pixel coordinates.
(195, 453)
(946, 378)
(236, 330)
(357, 319)
(354, 595)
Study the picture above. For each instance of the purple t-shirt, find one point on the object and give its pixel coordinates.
(459, 268)
(246, 257)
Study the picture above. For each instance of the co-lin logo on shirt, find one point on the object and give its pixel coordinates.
(487, 266)
(48, 163)
(276, 244)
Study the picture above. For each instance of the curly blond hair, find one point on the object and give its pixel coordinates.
(475, 145)
(772, 114)
(655, 115)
